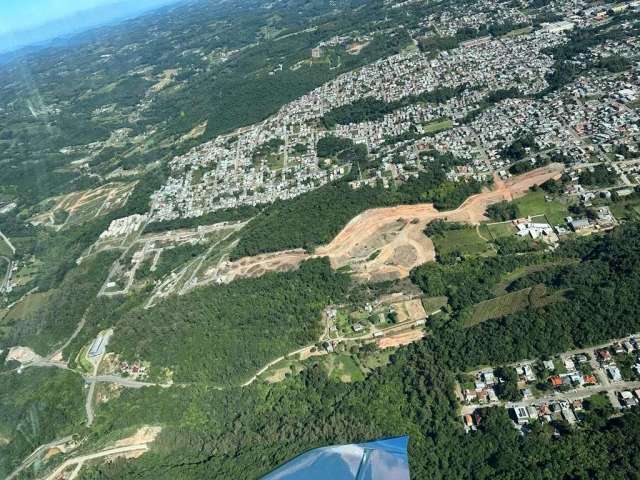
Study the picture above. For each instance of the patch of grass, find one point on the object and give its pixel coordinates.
(534, 203)
(431, 304)
(275, 161)
(5, 250)
(438, 125)
(29, 306)
(83, 361)
(499, 230)
(377, 359)
(465, 240)
(519, 31)
(344, 368)
(522, 271)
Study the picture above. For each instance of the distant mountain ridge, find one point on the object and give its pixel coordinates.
(17, 43)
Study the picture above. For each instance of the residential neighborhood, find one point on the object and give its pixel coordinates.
(555, 389)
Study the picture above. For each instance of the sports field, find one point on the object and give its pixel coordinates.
(534, 203)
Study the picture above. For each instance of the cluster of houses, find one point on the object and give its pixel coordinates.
(547, 412)
(606, 358)
(277, 158)
(135, 370)
(573, 377)
(483, 392)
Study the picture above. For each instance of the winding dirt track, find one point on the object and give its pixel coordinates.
(363, 235)
(386, 243)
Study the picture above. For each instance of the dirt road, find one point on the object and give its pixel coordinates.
(396, 232)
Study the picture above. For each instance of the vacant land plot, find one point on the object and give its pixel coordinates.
(410, 310)
(534, 203)
(377, 359)
(626, 209)
(466, 241)
(403, 338)
(519, 31)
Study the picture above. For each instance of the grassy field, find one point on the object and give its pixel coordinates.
(431, 304)
(466, 241)
(377, 359)
(519, 31)
(534, 203)
(498, 230)
(29, 306)
(500, 288)
(513, 302)
(343, 368)
(438, 125)
(82, 360)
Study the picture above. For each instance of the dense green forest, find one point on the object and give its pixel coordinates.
(251, 432)
(210, 433)
(38, 406)
(54, 321)
(224, 334)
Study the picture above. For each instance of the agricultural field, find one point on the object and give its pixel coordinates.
(534, 204)
(509, 303)
(466, 241)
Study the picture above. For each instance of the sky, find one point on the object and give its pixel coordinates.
(17, 15)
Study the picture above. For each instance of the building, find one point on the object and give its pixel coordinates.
(97, 347)
(579, 224)
(614, 373)
(316, 52)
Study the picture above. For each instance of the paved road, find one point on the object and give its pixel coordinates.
(7, 276)
(125, 382)
(27, 462)
(84, 458)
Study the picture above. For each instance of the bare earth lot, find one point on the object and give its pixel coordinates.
(408, 247)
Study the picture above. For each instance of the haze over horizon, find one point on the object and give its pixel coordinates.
(28, 22)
